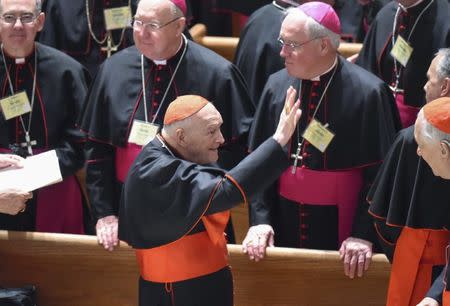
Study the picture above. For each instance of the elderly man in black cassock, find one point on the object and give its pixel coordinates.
(257, 54)
(176, 203)
(42, 91)
(432, 134)
(399, 48)
(410, 208)
(79, 28)
(348, 125)
(130, 95)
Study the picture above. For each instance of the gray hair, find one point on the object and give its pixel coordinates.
(443, 65)
(38, 6)
(429, 131)
(171, 128)
(315, 29)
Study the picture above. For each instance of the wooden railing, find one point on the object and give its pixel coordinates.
(72, 270)
(226, 46)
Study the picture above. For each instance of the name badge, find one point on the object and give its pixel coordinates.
(401, 51)
(15, 105)
(142, 132)
(117, 18)
(318, 135)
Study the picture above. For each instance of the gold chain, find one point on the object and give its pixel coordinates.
(91, 32)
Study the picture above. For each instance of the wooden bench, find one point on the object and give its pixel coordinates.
(226, 46)
(72, 270)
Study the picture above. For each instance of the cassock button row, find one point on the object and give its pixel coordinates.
(155, 103)
(304, 226)
(303, 167)
(157, 92)
(314, 94)
(303, 214)
(402, 28)
(304, 155)
(303, 237)
(315, 83)
(160, 67)
(311, 106)
(158, 79)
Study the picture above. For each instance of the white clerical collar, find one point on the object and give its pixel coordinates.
(164, 62)
(20, 60)
(161, 62)
(317, 78)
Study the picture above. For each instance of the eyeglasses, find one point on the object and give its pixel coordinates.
(293, 46)
(151, 26)
(24, 19)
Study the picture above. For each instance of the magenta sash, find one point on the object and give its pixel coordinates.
(408, 114)
(340, 188)
(125, 157)
(59, 207)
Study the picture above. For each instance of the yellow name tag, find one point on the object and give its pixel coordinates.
(117, 18)
(402, 51)
(15, 105)
(142, 132)
(318, 135)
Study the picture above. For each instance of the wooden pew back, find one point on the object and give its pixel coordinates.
(72, 270)
(226, 46)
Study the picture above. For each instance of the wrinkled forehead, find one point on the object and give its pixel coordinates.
(153, 9)
(18, 6)
(210, 115)
(294, 24)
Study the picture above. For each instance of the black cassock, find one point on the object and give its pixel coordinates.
(356, 18)
(359, 109)
(406, 194)
(61, 87)
(258, 52)
(405, 191)
(115, 100)
(431, 33)
(166, 198)
(66, 28)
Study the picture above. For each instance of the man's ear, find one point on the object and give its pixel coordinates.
(180, 137)
(445, 87)
(181, 25)
(40, 21)
(445, 149)
(325, 44)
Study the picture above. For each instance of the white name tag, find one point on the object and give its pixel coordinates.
(318, 135)
(117, 18)
(142, 132)
(15, 105)
(402, 51)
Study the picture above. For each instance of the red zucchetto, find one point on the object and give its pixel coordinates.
(437, 113)
(184, 107)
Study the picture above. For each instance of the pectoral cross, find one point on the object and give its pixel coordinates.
(28, 143)
(109, 46)
(296, 157)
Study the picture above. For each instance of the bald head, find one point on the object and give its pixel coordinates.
(197, 137)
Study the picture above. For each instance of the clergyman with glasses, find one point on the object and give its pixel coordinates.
(41, 95)
(349, 121)
(130, 95)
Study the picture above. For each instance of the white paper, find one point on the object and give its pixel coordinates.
(38, 171)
